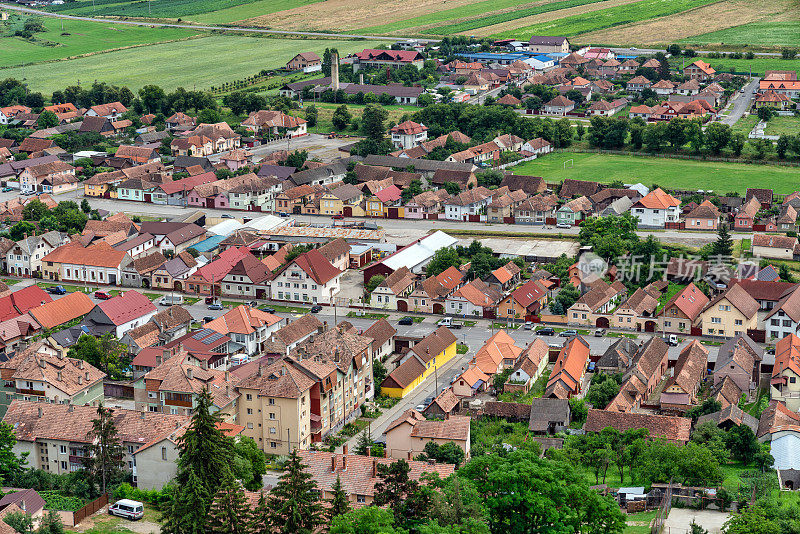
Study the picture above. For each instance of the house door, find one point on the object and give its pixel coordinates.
(147, 197)
(347, 211)
(394, 213)
(602, 322)
(402, 306)
(438, 308)
(650, 326)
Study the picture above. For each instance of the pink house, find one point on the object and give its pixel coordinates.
(236, 159)
(745, 219)
(210, 195)
(703, 217)
(426, 205)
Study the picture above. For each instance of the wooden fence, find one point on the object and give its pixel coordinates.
(89, 509)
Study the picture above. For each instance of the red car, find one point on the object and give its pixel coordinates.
(337, 217)
(102, 295)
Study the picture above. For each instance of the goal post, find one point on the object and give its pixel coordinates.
(571, 163)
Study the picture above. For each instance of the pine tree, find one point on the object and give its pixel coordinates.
(229, 512)
(261, 517)
(105, 462)
(723, 246)
(186, 512)
(364, 442)
(204, 460)
(338, 503)
(293, 504)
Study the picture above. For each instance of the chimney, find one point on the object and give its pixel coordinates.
(334, 72)
(344, 462)
(344, 448)
(158, 360)
(333, 462)
(320, 329)
(227, 391)
(58, 376)
(374, 468)
(311, 338)
(87, 376)
(227, 376)
(204, 364)
(143, 415)
(409, 456)
(80, 380)
(40, 411)
(80, 364)
(71, 408)
(259, 369)
(189, 373)
(369, 450)
(431, 461)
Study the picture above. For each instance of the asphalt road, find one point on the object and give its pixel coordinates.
(741, 103)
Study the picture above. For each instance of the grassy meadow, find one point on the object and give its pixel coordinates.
(676, 173)
(776, 33)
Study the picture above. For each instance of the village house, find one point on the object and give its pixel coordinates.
(682, 311)
(699, 70)
(310, 277)
(122, 313)
(24, 258)
(737, 361)
(642, 374)
(41, 373)
(730, 313)
(467, 203)
(110, 111)
(250, 327)
(408, 134)
(784, 318)
(525, 301)
(746, 216)
(574, 211)
(275, 123)
(704, 217)
(424, 358)
(537, 210)
(475, 299)
(97, 263)
(54, 177)
(559, 105)
(775, 246)
(785, 382)
(407, 435)
(680, 391)
(656, 209)
(162, 328)
(599, 300)
(566, 378)
(638, 311)
(393, 292)
(530, 365)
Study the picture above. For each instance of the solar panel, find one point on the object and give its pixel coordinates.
(213, 338)
(201, 334)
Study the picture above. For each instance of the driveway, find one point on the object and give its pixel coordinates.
(679, 519)
(740, 103)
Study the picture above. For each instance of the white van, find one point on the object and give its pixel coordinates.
(128, 509)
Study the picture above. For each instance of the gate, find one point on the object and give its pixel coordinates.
(89, 509)
(508, 220)
(759, 336)
(550, 221)
(474, 218)
(650, 326)
(393, 213)
(602, 322)
(347, 211)
(402, 306)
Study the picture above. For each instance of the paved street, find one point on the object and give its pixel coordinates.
(740, 103)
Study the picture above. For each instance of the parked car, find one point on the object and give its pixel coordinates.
(449, 323)
(7, 189)
(568, 333)
(283, 214)
(528, 325)
(591, 367)
(600, 332)
(421, 407)
(268, 310)
(563, 225)
(211, 300)
(407, 321)
(128, 509)
(102, 295)
(207, 319)
(671, 340)
(338, 217)
(316, 308)
(253, 304)
(546, 331)
(215, 306)
(57, 290)
(227, 216)
(171, 300)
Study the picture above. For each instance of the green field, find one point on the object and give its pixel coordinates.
(474, 10)
(778, 33)
(80, 37)
(196, 63)
(216, 11)
(745, 124)
(606, 18)
(672, 173)
(783, 125)
(757, 65)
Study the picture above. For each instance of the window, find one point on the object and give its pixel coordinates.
(272, 415)
(724, 307)
(249, 397)
(64, 465)
(249, 411)
(63, 450)
(361, 498)
(164, 453)
(273, 445)
(792, 379)
(787, 322)
(271, 402)
(716, 320)
(250, 425)
(737, 322)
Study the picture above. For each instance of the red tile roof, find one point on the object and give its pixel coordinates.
(315, 265)
(660, 426)
(126, 307)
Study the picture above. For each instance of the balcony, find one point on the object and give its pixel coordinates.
(178, 402)
(34, 392)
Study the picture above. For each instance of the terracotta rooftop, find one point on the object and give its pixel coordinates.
(659, 426)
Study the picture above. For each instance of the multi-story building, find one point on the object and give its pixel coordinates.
(25, 257)
(682, 311)
(785, 383)
(310, 277)
(730, 313)
(250, 327)
(41, 373)
(56, 436)
(98, 263)
(784, 319)
(656, 209)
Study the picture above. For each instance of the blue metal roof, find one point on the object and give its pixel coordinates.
(209, 244)
(490, 55)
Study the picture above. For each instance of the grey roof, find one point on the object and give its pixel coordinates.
(546, 411)
(618, 207)
(52, 238)
(184, 162)
(13, 168)
(725, 351)
(619, 355)
(336, 168)
(421, 165)
(278, 171)
(150, 137)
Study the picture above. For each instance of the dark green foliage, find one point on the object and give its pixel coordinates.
(105, 461)
(603, 389)
(446, 453)
(408, 499)
(293, 504)
(229, 512)
(338, 503)
(106, 353)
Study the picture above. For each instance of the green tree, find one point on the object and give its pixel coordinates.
(765, 113)
(341, 117)
(676, 132)
(378, 374)
(47, 119)
(11, 465)
(783, 145)
(366, 520)
(249, 463)
(526, 494)
(293, 503)
(717, 136)
(723, 246)
(602, 393)
(106, 457)
(737, 142)
(208, 116)
(229, 512)
(20, 522)
(410, 501)
(567, 296)
(106, 353)
(152, 97)
(35, 210)
(752, 520)
(372, 119)
(580, 130)
(85, 207)
(50, 523)
(374, 282)
(204, 460)
(261, 516)
(338, 504)
(443, 259)
(452, 188)
(311, 115)
(709, 405)
(20, 230)
(742, 443)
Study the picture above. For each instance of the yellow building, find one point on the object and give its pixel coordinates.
(103, 184)
(423, 359)
(731, 313)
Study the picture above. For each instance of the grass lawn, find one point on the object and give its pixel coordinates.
(783, 125)
(81, 37)
(247, 10)
(502, 326)
(108, 524)
(287, 309)
(606, 18)
(639, 523)
(325, 114)
(9, 281)
(68, 288)
(682, 174)
(211, 11)
(470, 323)
(621, 334)
(672, 290)
(773, 33)
(745, 124)
(219, 58)
(374, 316)
(756, 65)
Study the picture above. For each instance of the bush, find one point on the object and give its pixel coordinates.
(154, 497)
